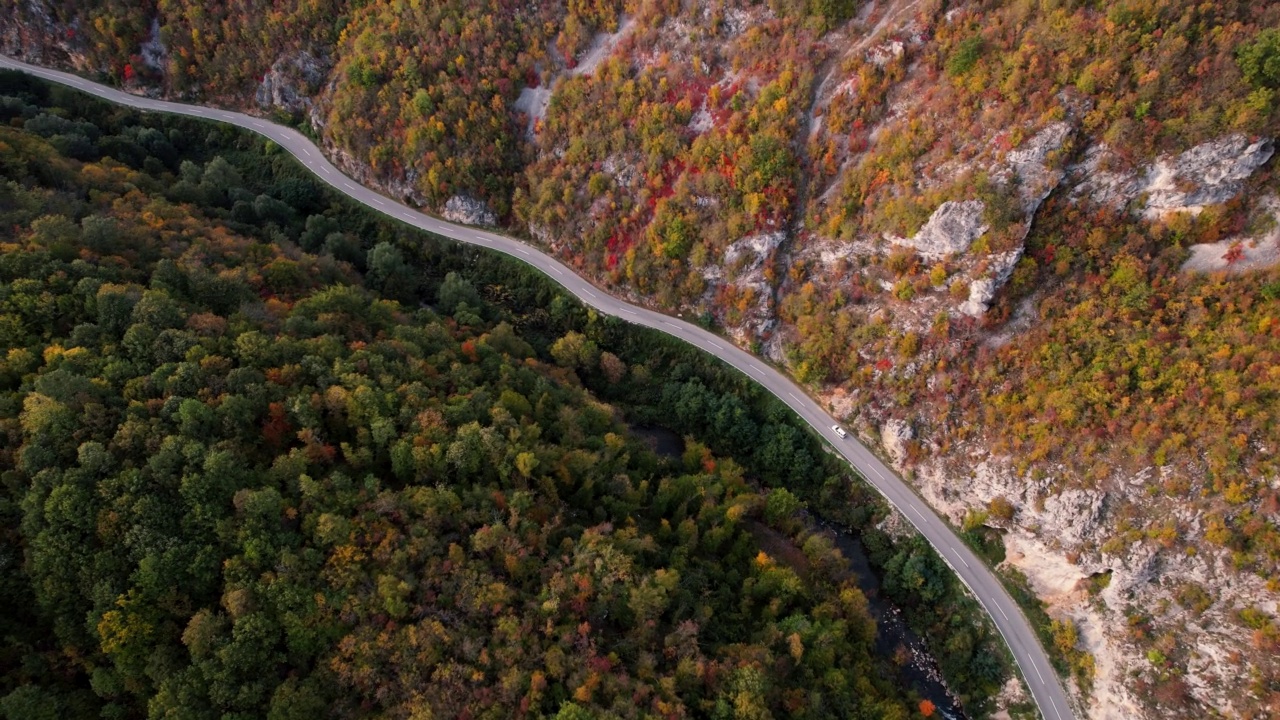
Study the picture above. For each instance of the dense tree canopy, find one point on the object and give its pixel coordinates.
(241, 482)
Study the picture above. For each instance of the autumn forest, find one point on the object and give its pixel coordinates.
(1026, 250)
(271, 456)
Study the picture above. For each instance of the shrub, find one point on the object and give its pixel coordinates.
(1259, 60)
(965, 56)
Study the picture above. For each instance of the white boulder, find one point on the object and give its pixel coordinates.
(983, 290)
(468, 211)
(950, 230)
(894, 435)
(1207, 174)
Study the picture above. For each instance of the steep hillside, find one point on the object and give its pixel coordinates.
(1031, 247)
(997, 278)
(249, 472)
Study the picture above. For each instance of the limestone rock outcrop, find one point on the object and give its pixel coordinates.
(950, 230)
(290, 82)
(468, 211)
(1208, 174)
(894, 435)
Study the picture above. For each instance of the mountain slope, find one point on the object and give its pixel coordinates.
(250, 474)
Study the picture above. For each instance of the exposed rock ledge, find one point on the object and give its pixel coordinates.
(950, 230)
(1239, 254)
(983, 290)
(290, 82)
(1208, 174)
(954, 226)
(1037, 176)
(468, 211)
(1055, 536)
(894, 435)
(743, 266)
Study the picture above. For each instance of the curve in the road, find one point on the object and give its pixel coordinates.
(1008, 618)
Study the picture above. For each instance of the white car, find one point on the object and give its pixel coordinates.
(840, 431)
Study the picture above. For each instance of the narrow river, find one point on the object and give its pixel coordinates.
(920, 671)
(893, 638)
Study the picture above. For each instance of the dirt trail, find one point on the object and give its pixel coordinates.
(602, 46)
(893, 13)
(533, 102)
(819, 99)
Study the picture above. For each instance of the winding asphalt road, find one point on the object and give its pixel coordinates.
(1006, 615)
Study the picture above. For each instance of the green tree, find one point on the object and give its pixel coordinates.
(218, 180)
(1259, 59)
(454, 291)
(390, 273)
(31, 702)
(965, 56)
(780, 505)
(575, 350)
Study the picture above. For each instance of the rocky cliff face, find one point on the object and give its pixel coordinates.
(1057, 534)
(1066, 533)
(1208, 174)
(1021, 178)
(292, 83)
(951, 229)
(468, 211)
(32, 32)
(1053, 538)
